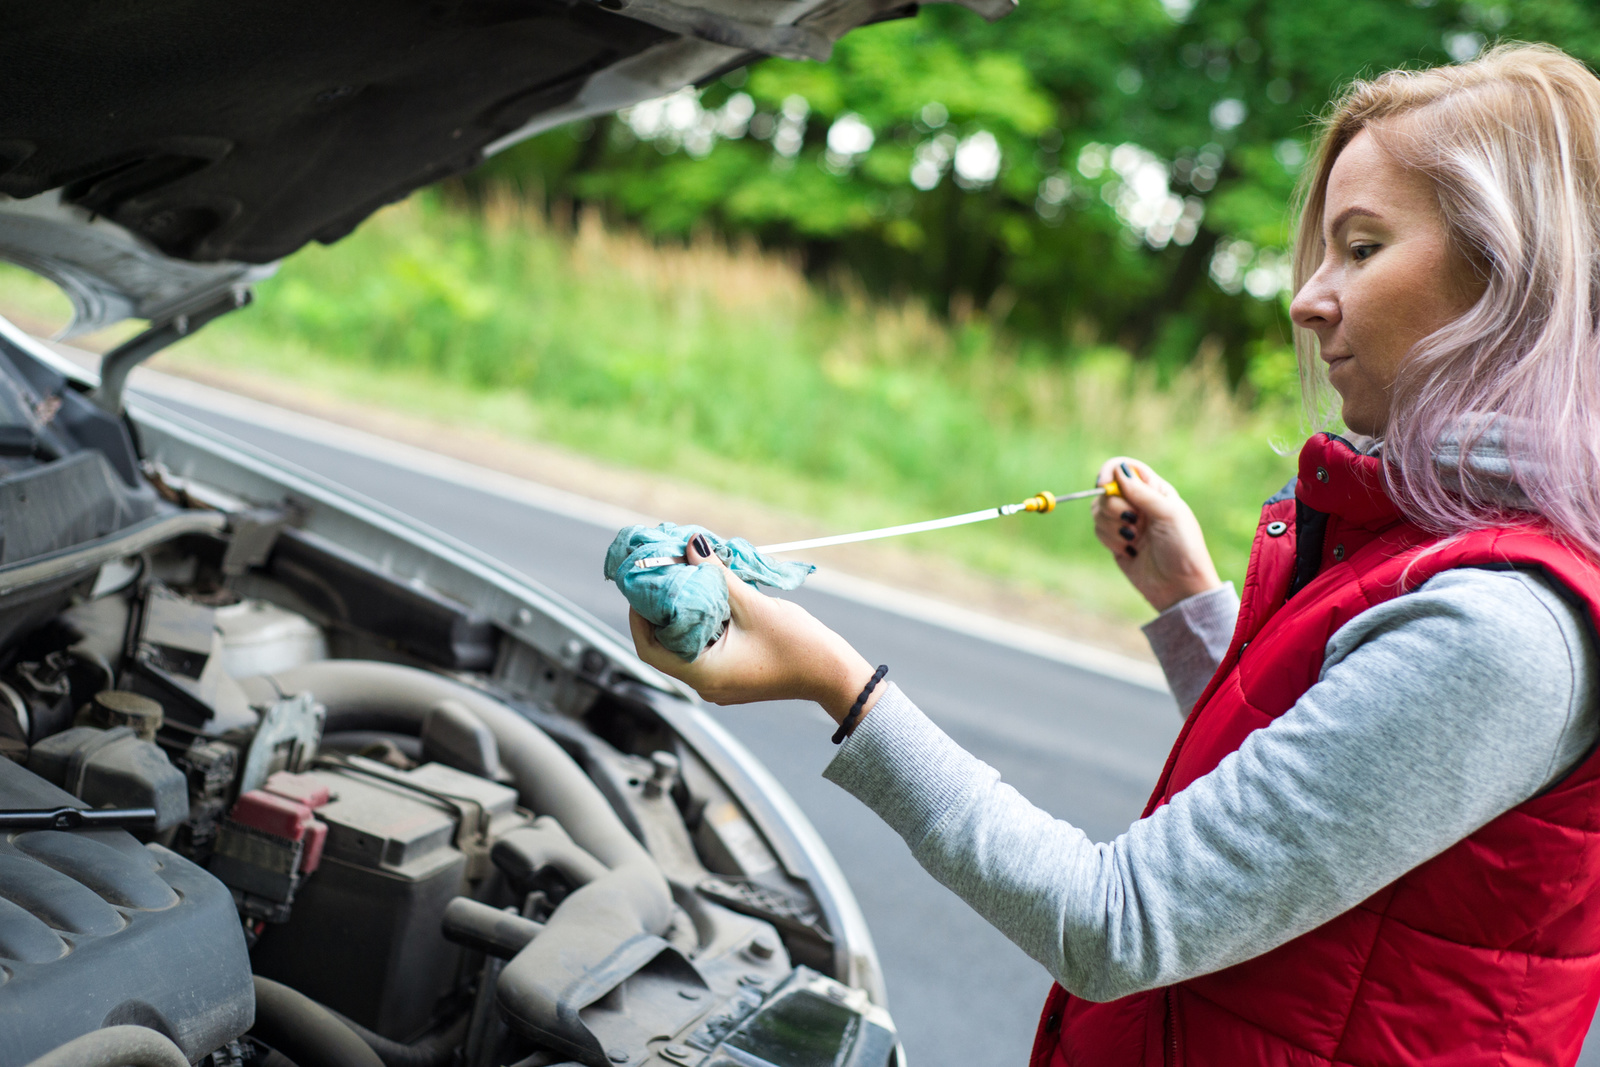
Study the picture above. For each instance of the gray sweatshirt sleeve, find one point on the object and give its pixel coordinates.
(1436, 712)
(1190, 638)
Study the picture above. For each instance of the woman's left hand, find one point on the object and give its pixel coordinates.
(773, 650)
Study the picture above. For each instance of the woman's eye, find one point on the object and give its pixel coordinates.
(1361, 252)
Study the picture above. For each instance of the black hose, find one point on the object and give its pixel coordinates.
(366, 695)
(484, 929)
(434, 1050)
(598, 932)
(116, 1046)
(305, 1031)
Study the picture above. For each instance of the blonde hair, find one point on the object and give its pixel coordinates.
(1511, 142)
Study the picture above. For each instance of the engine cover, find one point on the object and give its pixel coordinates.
(97, 929)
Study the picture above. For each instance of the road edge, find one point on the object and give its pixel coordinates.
(571, 505)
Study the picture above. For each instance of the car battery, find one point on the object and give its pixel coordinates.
(364, 935)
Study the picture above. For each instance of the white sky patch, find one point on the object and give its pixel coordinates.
(679, 121)
(1055, 189)
(1177, 10)
(1464, 46)
(791, 132)
(1093, 159)
(1207, 166)
(930, 159)
(1228, 113)
(977, 160)
(733, 121)
(848, 138)
(648, 120)
(1054, 192)
(1230, 262)
(1141, 195)
(1271, 275)
(1265, 273)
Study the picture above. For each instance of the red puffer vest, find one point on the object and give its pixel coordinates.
(1489, 953)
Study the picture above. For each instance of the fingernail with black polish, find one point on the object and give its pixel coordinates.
(1127, 534)
(1132, 552)
(701, 545)
(1125, 470)
(1129, 516)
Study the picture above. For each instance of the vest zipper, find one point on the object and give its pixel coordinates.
(1172, 1031)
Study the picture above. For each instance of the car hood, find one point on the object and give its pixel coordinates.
(155, 154)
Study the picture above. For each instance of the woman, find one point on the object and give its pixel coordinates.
(1377, 839)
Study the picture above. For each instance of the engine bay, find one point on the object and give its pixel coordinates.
(262, 792)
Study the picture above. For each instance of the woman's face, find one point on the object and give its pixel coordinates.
(1389, 277)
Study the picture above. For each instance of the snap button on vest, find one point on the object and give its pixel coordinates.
(1277, 529)
(1338, 552)
(1322, 474)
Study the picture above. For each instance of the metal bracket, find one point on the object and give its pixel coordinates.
(75, 818)
(286, 740)
(253, 533)
(116, 364)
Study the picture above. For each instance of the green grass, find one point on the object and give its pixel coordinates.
(726, 367)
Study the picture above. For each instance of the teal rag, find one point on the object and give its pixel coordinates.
(688, 605)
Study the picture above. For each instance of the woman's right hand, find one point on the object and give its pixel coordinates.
(773, 650)
(1152, 535)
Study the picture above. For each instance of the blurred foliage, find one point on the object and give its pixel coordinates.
(1098, 171)
(728, 367)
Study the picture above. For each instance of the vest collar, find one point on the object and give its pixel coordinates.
(1336, 479)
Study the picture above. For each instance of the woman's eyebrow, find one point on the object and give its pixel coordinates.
(1348, 213)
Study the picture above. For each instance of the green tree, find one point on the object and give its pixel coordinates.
(1082, 170)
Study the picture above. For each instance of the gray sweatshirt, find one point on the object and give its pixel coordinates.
(1435, 712)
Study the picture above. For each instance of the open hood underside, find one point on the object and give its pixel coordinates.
(231, 135)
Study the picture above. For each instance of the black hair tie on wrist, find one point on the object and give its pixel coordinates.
(848, 725)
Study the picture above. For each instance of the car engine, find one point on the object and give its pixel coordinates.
(282, 807)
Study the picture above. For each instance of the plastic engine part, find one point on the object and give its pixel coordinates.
(113, 768)
(98, 930)
(365, 937)
(271, 840)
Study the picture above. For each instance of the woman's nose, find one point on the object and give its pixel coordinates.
(1316, 305)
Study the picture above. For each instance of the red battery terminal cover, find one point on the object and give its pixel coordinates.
(285, 808)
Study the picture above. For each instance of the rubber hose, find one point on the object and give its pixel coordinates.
(627, 907)
(477, 926)
(305, 1031)
(522, 854)
(362, 694)
(116, 1046)
(432, 1051)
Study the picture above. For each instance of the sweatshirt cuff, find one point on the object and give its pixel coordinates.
(1191, 637)
(902, 766)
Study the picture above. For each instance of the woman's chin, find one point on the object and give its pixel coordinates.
(1361, 422)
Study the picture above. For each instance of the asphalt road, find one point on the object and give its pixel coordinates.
(1080, 745)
